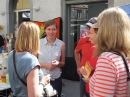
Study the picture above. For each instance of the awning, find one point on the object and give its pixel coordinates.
(126, 8)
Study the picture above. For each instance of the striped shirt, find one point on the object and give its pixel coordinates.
(110, 77)
(49, 53)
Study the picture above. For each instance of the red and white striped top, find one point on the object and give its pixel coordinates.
(110, 77)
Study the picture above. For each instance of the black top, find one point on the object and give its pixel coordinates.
(1, 41)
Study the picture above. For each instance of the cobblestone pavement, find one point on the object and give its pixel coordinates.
(70, 88)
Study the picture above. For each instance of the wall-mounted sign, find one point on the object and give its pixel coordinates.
(83, 31)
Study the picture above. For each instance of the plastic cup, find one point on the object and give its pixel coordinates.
(3, 78)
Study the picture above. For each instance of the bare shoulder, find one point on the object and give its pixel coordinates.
(63, 44)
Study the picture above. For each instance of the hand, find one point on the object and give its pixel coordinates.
(55, 62)
(46, 79)
(86, 80)
(78, 71)
(51, 67)
(83, 71)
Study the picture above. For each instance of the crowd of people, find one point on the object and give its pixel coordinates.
(110, 39)
(38, 62)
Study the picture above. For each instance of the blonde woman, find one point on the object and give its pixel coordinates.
(27, 65)
(110, 76)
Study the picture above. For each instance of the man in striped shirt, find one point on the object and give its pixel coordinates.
(110, 76)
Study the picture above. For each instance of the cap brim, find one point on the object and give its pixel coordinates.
(89, 24)
(95, 25)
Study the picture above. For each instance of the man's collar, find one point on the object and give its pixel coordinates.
(86, 38)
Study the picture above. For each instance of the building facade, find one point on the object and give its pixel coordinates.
(74, 13)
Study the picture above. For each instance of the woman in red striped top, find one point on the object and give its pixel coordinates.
(110, 76)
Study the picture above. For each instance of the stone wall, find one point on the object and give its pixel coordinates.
(3, 16)
(49, 9)
(121, 2)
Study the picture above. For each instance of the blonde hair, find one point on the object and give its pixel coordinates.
(113, 31)
(28, 38)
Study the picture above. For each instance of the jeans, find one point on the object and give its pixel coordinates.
(57, 85)
(83, 88)
(87, 94)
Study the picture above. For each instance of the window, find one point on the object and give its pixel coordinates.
(23, 4)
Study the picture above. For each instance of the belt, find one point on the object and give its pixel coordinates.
(55, 79)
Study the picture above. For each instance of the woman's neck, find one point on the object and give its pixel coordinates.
(21, 52)
(51, 40)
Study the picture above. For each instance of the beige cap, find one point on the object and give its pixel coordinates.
(95, 25)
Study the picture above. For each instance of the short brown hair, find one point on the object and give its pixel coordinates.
(28, 38)
(49, 23)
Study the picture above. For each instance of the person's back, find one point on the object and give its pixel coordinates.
(110, 78)
(27, 65)
(24, 64)
(115, 71)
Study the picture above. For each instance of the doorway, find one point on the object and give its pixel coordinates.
(77, 17)
(19, 17)
(17, 12)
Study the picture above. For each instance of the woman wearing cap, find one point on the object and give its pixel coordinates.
(83, 48)
(110, 76)
(93, 60)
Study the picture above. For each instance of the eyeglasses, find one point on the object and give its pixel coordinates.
(93, 20)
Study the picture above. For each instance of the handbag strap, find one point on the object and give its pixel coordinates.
(125, 62)
(14, 61)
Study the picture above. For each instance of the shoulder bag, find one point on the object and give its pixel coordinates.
(127, 69)
(47, 90)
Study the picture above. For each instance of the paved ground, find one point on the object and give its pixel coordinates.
(71, 88)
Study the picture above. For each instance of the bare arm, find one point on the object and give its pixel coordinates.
(34, 89)
(84, 72)
(62, 59)
(47, 66)
(77, 59)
